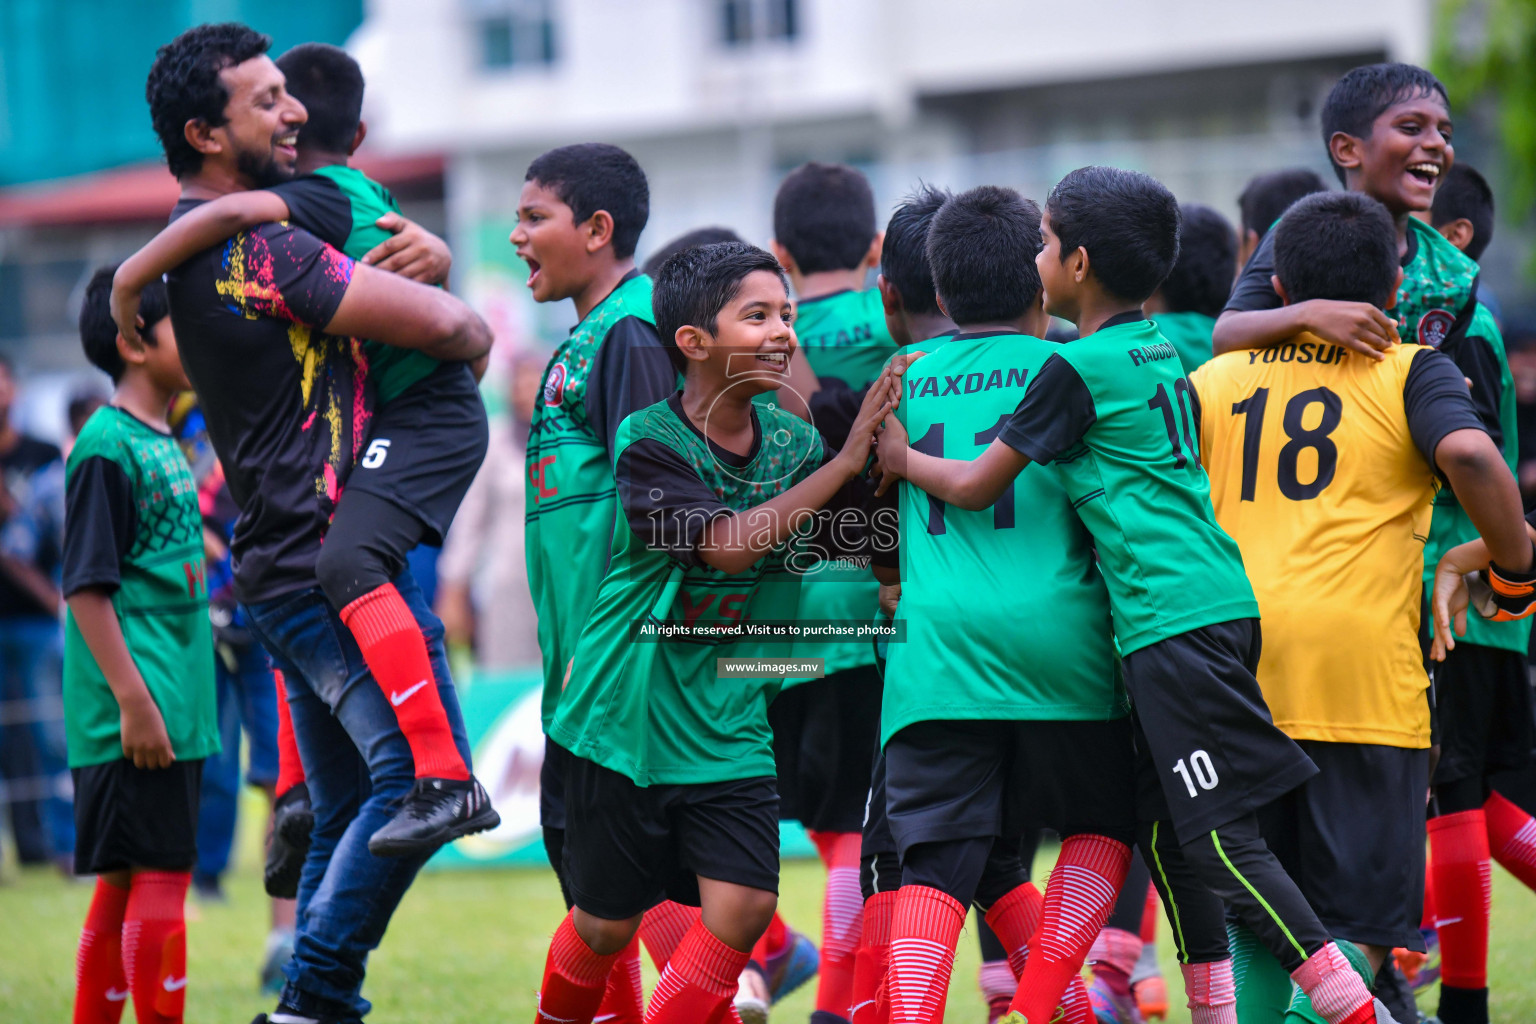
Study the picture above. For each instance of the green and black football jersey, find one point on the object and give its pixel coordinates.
(1006, 615)
(340, 204)
(1479, 354)
(133, 527)
(611, 365)
(653, 707)
(846, 342)
(1115, 413)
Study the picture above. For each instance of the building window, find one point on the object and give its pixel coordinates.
(514, 33)
(744, 22)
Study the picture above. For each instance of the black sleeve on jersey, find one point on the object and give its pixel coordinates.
(1474, 356)
(99, 524)
(318, 205)
(1254, 289)
(1056, 411)
(1436, 400)
(664, 501)
(631, 371)
(834, 408)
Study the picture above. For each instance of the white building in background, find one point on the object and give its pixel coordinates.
(718, 98)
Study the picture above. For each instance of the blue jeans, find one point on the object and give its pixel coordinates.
(358, 766)
(247, 696)
(31, 662)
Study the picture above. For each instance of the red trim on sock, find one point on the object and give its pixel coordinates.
(1149, 915)
(699, 980)
(663, 927)
(1463, 890)
(1511, 838)
(1336, 990)
(101, 986)
(1078, 901)
(575, 977)
(290, 770)
(623, 998)
(924, 931)
(155, 945)
(870, 961)
(396, 653)
(1015, 918)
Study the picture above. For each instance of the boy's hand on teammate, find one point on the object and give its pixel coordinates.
(890, 454)
(1355, 325)
(145, 741)
(879, 400)
(412, 251)
(125, 313)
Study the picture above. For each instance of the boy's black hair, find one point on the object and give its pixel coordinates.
(1364, 93)
(1465, 193)
(1267, 196)
(592, 176)
(184, 85)
(1128, 222)
(904, 256)
(98, 331)
(687, 240)
(1337, 245)
(694, 285)
(1201, 278)
(824, 214)
(329, 83)
(981, 248)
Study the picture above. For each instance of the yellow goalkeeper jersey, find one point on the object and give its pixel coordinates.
(1319, 460)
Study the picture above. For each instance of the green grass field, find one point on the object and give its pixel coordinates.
(469, 947)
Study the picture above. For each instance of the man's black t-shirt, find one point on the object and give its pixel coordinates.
(286, 404)
(17, 466)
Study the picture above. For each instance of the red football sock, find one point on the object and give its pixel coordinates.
(1511, 838)
(1150, 914)
(1211, 991)
(773, 941)
(700, 979)
(924, 931)
(101, 987)
(290, 770)
(1463, 889)
(623, 998)
(870, 961)
(1078, 900)
(396, 653)
(575, 978)
(1338, 994)
(1428, 920)
(842, 914)
(1015, 918)
(155, 945)
(997, 983)
(663, 927)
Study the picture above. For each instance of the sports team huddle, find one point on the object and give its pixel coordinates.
(1167, 563)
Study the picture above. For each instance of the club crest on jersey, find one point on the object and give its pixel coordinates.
(554, 385)
(1435, 327)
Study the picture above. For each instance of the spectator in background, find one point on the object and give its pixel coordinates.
(482, 588)
(81, 404)
(1187, 303)
(32, 756)
(686, 240)
(1265, 198)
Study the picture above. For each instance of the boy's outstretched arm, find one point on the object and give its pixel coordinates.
(1356, 325)
(145, 741)
(970, 485)
(733, 543)
(1485, 487)
(199, 229)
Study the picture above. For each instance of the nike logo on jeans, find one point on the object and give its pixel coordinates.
(400, 698)
(175, 984)
(116, 995)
